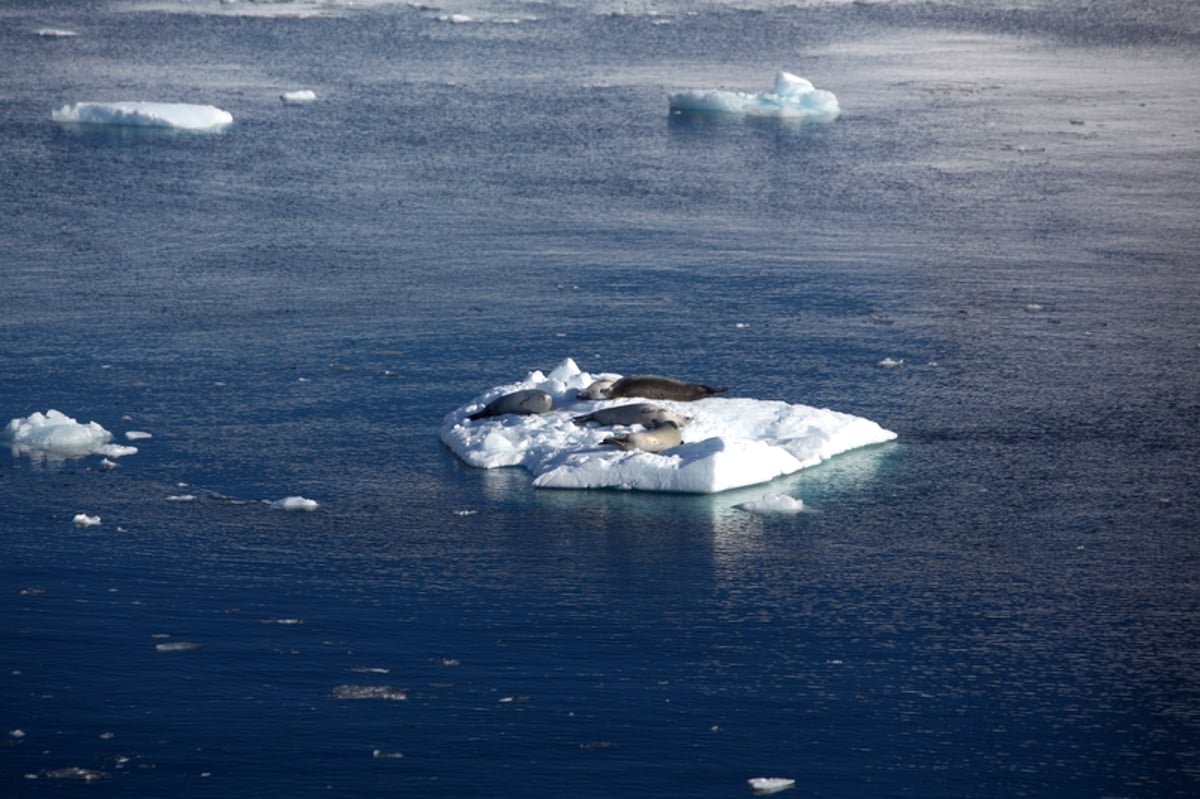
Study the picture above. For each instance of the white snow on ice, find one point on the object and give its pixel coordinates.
(182, 116)
(731, 441)
(792, 98)
(54, 434)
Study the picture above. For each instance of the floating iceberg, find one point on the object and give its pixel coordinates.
(730, 442)
(792, 98)
(57, 435)
(182, 116)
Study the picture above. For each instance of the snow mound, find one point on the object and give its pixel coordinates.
(731, 442)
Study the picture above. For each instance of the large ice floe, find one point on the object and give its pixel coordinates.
(180, 116)
(55, 435)
(792, 98)
(730, 442)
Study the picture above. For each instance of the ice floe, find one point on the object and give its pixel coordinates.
(729, 443)
(792, 97)
(84, 520)
(181, 116)
(54, 434)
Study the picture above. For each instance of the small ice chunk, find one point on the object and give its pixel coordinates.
(182, 116)
(16, 733)
(379, 754)
(137, 435)
(890, 363)
(765, 785)
(298, 97)
(55, 33)
(388, 692)
(178, 646)
(295, 503)
(792, 97)
(55, 433)
(772, 504)
(84, 520)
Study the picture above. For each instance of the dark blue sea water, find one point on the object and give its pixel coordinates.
(1004, 602)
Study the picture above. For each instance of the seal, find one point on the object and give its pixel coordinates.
(647, 414)
(660, 438)
(596, 390)
(525, 402)
(663, 388)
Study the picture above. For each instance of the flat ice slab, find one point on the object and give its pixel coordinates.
(731, 442)
(792, 97)
(183, 116)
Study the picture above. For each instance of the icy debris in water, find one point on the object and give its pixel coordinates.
(890, 363)
(75, 773)
(178, 646)
(298, 97)
(764, 785)
(281, 621)
(371, 670)
(107, 736)
(772, 503)
(465, 512)
(369, 692)
(182, 116)
(379, 754)
(107, 465)
(84, 520)
(55, 33)
(16, 734)
(792, 97)
(1033, 307)
(181, 498)
(54, 433)
(135, 435)
(295, 503)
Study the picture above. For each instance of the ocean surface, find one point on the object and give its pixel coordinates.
(994, 252)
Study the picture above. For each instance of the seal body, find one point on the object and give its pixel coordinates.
(647, 414)
(525, 402)
(597, 390)
(659, 387)
(660, 438)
